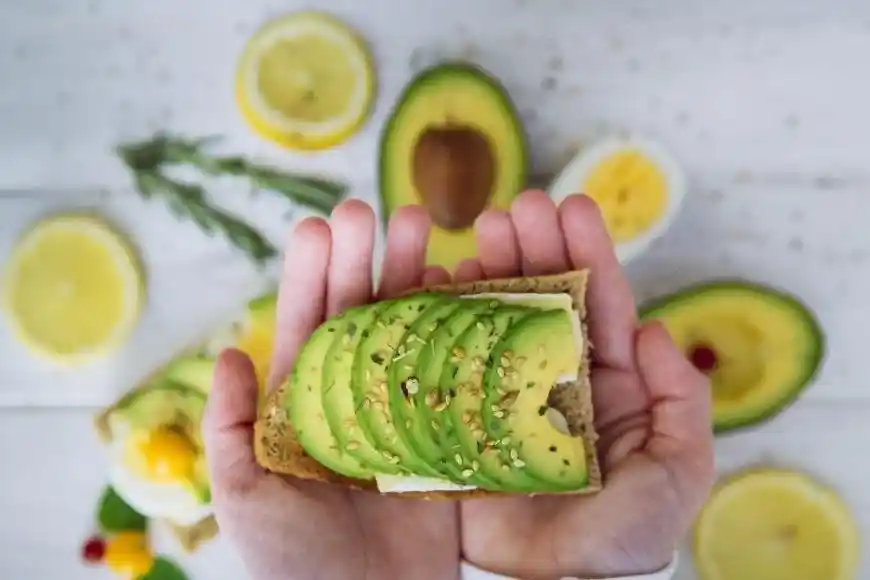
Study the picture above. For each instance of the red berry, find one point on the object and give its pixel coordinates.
(94, 549)
(703, 357)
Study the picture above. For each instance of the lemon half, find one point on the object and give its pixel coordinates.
(775, 525)
(72, 288)
(305, 81)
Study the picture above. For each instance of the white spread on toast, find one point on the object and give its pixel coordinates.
(407, 484)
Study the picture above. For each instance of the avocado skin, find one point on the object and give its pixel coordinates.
(812, 365)
(432, 74)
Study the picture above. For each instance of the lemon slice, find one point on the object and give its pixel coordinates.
(72, 289)
(305, 81)
(775, 525)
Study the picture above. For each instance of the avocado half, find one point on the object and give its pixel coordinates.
(760, 346)
(454, 144)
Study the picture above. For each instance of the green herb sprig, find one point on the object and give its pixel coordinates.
(146, 159)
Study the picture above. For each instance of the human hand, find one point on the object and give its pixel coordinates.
(289, 528)
(652, 414)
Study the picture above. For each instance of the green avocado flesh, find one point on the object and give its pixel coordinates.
(305, 401)
(759, 346)
(444, 387)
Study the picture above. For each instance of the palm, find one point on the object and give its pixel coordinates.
(288, 528)
(652, 416)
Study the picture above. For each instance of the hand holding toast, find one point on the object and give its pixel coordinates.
(288, 527)
(652, 415)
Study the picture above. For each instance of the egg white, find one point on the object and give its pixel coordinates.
(173, 502)
(570, 179)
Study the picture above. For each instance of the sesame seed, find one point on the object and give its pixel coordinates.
(408, 424)
(441, 406)
(436, 426)
(506, 440)
(505, 361)
(458, 459)
(519, 463)
(459, 353)
(412, 385)
(475, 465)
(498, 414)
(352, 445)
(500, 372)
(467, 472)
(514, 454)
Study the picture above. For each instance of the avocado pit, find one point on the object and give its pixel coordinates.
(454, 172)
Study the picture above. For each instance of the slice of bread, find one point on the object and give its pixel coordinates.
(278, 451)
(189, 537)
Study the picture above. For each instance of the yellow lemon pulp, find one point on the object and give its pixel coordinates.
(164, 455)
(257, 343)
(306, 78)
(305, 81)
(128, 555)
(775, 525)
(631, 192)
(72, 288)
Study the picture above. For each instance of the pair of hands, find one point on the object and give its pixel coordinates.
(652, 415)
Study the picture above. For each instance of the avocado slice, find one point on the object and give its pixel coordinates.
(428, 404)
(476, 457)
(338, 397)
(166, 404)
(376, 352)
(304, 400)
(534, 356)
(455, 143)
(759, 345)
(194, 371)
(403, 382)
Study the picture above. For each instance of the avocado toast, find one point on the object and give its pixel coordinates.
(152, 432)
(457, 391)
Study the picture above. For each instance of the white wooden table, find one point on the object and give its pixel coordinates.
(766, 103)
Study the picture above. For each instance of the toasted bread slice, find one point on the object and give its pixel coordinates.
(278, 450)
(189, 537)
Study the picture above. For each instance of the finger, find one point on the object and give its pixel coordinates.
(497, 244)
(301, 293)
(350, 263)
(405, 255)
(468, 271)
(435, 275)
(542, 244)
(681, 406)
(612, 315)
(228, 424)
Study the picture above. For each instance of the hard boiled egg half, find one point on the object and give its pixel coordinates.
(637, 184)
(160, 472)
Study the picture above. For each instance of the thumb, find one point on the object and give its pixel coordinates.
(228, 425)
(682, 435)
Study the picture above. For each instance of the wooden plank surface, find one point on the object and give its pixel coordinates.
(764, 102)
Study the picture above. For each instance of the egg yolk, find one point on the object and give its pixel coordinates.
(128, 555)
(631, 192)
(165, 456)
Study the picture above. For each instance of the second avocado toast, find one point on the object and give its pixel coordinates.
(454, 391)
